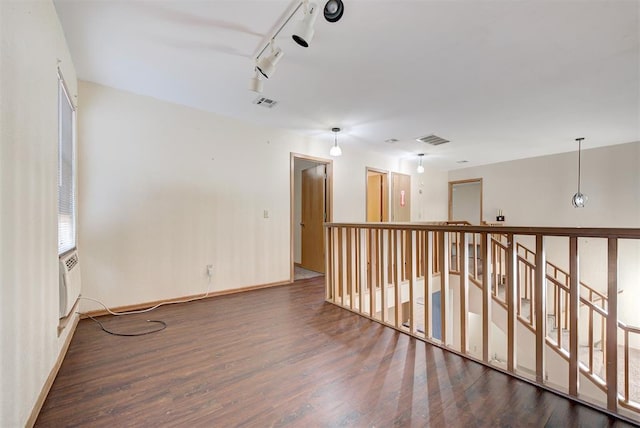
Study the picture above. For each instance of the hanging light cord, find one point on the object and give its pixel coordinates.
(579, 159)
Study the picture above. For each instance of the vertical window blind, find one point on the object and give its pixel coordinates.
(66, 170)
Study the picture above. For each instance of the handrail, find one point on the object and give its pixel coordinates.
(576, 232)
(559, 269)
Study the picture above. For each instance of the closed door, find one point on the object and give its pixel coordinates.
(377, 200)
(313, 216)
(401, 191)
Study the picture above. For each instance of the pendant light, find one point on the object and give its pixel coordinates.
(335, 149)
(420, 168)
(579, 199)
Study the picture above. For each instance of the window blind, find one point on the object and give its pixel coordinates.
(66, 171)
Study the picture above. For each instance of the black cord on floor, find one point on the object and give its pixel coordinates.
(163, 325)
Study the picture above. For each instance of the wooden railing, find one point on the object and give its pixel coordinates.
(393, 273)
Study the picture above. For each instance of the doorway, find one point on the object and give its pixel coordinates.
(311, 201)
(377, 195)
(465, 201)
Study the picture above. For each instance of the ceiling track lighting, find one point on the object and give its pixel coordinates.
(333, 10)
(420, 168)
(302, 34)
(335, 149)
(578, 200)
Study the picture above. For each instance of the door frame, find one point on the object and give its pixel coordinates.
(328, 204)
(387, 175)
(470, 180)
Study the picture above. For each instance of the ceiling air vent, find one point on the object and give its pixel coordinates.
(265, 102)
(433, 140)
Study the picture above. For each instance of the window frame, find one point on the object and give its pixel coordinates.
(69, 244)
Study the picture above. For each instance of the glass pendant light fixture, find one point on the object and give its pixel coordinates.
(420, 168)
(335, 149)
(579, 199)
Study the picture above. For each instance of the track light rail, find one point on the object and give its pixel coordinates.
(278, 31)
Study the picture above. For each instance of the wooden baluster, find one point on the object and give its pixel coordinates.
(372, 251)
(428, 283)
(626, 367)
(340, 272)
(328, 282)
(349, 254)
(611, 358)
(511, 293)
(464, 292)
(541, 308)
(397, 274)
(494, 271)
(519, 275)
(444, 283)
(573, 302)
(337, 243)
(487, 273)
(559, 316)
(384, 250)
(435, 252)
(476, 257)
(405, 254)
(532, 300)
(410, 265)
(590, 340)
(360, 278)
(566, 312)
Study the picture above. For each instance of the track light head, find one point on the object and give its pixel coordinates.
(333, 10)
(303, 31)
(255, 83)
(267, 65)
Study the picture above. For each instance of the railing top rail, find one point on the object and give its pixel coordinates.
(589, 232)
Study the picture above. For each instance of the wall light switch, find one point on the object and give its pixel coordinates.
(265, 214)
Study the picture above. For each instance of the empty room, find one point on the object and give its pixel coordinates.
(319, 213)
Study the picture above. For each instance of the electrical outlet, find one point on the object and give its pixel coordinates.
(209, 271)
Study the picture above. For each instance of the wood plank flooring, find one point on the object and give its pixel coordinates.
(283, 357)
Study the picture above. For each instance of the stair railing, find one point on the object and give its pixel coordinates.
(388, 272)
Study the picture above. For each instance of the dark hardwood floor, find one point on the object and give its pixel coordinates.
(284, 357)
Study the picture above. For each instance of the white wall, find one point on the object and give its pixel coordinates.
(537, 192)
(166, 190)
(429, 193)
(32, 42)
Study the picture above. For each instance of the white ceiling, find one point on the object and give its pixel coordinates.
(500, 79)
